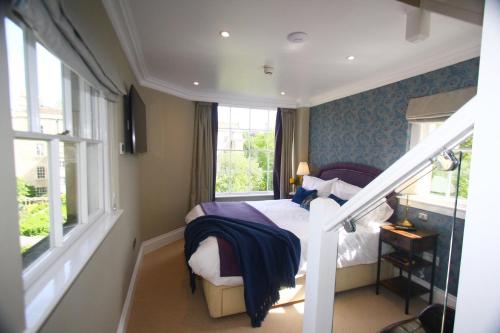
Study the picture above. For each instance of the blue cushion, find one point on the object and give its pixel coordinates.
(306, 203)
(301, 194)
(337, 199)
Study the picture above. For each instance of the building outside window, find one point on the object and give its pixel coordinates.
(39, 150)
(59, 160)
(245, 150)
(40, 172)
(41, 191)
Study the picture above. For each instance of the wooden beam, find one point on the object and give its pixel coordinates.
(414, 3)
(418, 25)
(466, 10)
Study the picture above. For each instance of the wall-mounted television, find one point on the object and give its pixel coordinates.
(135, 123)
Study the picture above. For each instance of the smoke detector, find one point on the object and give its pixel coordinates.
(268, 70)
(297, 37)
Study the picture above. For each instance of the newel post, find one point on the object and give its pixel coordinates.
(321, 269)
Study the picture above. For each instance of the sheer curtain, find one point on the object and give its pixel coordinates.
(283, 154)
(204, 154)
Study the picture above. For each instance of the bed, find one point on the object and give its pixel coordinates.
(356, 262)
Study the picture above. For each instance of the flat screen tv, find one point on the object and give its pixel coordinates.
(135, 123)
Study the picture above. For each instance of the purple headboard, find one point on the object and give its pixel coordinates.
(356, 174)
(352, 173)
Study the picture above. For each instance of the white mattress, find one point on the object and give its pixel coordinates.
(355, 248)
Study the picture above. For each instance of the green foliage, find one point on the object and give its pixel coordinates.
(31, 191)
(34, 219)
(463, 190)
(237, 173)
(247, 170)
(22, 189)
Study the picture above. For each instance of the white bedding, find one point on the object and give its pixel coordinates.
(355, 248)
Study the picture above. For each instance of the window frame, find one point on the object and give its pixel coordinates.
(424, 198)
(48, 278)
(249, 130)
(60, 243)
(40, 172)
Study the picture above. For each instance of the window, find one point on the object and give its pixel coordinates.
(41, 191)
(40, 150)
(438, 184)
(40, 172)
(59, 151)
(245, 150)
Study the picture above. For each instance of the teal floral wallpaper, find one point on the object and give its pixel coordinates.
(370, 127)
(442, 225)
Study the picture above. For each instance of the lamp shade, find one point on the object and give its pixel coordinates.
(303, 169)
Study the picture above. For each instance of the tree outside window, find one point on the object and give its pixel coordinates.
(245, 150)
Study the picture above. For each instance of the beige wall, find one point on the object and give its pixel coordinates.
(94, 301)
(301, 142)
(153, 188)
(165, 170)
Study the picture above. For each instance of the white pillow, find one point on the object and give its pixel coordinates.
(323, 187)
(344, 190)
(380, 214)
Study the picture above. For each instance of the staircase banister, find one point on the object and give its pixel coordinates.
(453, 131)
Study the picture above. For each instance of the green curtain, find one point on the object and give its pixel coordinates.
(202, 175)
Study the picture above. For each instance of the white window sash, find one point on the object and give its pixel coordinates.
(82, 183)
(67, 102)
(31, 81)
(56, 230)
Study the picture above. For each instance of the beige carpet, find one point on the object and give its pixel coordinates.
(164, 303)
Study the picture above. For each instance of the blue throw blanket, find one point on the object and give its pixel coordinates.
(268, 256)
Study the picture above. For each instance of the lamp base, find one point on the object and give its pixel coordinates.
(405, 223)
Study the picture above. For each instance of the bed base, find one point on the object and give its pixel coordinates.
(225, 300)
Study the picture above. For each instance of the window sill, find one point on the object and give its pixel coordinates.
(435, 204)
(42, 295)
(250, 196)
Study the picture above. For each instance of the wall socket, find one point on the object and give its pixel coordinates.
(422, 216)
(122, 148)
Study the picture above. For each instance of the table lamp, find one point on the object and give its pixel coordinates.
(410, 190)
(302, 170)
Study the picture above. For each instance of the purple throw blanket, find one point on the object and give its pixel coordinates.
(236, 210)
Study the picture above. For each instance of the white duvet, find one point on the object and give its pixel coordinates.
(355, 248)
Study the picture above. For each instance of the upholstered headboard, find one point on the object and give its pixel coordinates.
(352, 173)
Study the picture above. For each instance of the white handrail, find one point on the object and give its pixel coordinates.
(452, 132)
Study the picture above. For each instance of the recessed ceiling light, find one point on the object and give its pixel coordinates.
(196, 83)
(225, 34)
(283, 93)
(350, 58)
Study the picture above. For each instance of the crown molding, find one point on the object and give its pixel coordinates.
(125, 28)
(427, 65)
(231, 99)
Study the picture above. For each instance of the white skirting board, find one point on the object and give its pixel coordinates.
(154, 244)
(148, 246)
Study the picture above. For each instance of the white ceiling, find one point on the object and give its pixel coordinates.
(171, 43)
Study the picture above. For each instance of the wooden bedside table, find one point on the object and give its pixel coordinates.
(407, 244)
